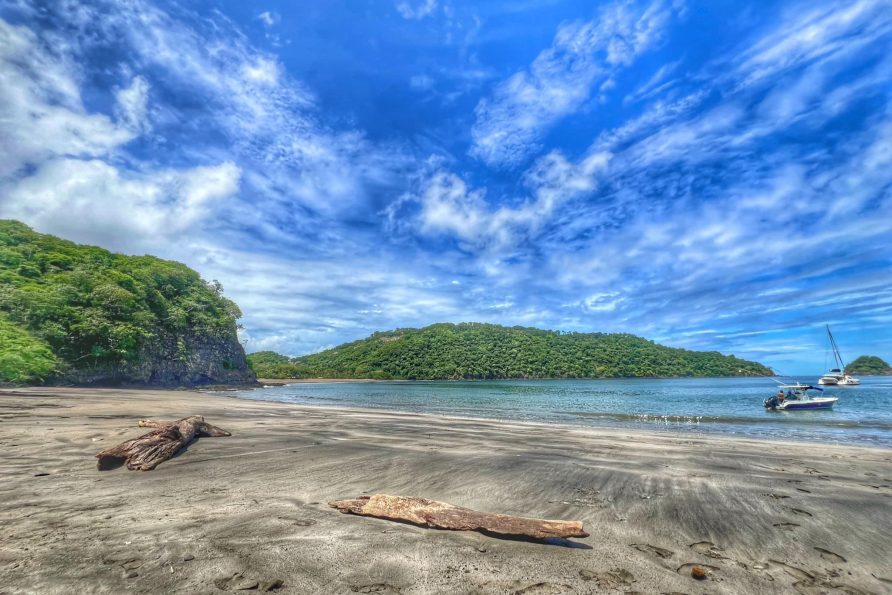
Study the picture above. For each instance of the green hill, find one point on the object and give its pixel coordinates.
(81, 315)
(477, 351)
(269, 364)
(869, 365)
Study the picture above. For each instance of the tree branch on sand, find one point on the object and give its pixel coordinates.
(440, 515)
(150, 450)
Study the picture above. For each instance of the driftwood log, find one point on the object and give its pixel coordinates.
(440, 515)
(150, 450)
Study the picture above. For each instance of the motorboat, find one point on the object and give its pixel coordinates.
(799, 396)
(837, 376)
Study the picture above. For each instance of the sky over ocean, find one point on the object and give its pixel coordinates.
(709, 175)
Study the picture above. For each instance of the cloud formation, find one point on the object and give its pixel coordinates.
(584, 54)
(416, 10)
(631, 174)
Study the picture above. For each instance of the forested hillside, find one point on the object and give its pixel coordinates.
(473, 350)
(869, 365)
(81, 314)
(269, 364)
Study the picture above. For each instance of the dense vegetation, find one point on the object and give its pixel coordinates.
(69, 311)
(477, 351)
(269, 364)
(869, 365)
(23, 358)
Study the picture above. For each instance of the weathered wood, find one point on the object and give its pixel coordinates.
(150, 450)
(204, 428)
(440, 515)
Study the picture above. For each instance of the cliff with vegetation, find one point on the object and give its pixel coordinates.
(72, 314)
(869, 365)
(478, 351)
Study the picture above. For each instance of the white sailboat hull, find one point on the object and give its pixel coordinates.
(837, 376)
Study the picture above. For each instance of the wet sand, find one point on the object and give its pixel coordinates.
(249, 511)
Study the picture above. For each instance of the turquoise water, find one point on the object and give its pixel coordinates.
(731, 406)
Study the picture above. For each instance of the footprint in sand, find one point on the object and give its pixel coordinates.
(793, 571)
(543, 589)
(809, 584)
(613, 579)
(788, 526)
(708, 548)
(375, 588)
(800, 512)
(824, 587)
(652, 549)
(830, 556)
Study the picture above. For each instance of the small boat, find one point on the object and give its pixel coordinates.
(837, 376)
(832, 377)
(798, 397)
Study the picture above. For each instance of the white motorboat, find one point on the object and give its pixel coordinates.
(837, 376)
(794, 397)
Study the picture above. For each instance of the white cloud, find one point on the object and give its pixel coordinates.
(269, 18)
(510, 123)
(262, 71)
(132, 106)
(42, 112)
(448, 206)
(416, 10)
(657, 83)
(93, 202)
(803, 36)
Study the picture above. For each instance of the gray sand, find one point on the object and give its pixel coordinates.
(761, 517)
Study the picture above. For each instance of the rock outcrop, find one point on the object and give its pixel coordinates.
(191, 360)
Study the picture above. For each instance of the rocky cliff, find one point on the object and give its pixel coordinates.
(190, 360)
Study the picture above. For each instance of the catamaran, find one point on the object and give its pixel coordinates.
(797, 396)
(837, 376)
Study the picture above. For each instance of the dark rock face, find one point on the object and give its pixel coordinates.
(190, 360)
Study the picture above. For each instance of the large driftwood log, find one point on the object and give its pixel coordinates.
(440, 515)
(150, 450)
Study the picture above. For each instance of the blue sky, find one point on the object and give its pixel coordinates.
(711, 175)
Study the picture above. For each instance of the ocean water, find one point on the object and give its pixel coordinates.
(729, 406)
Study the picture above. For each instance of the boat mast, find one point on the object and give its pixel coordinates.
(836, 354)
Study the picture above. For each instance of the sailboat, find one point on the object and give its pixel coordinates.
(837, 376)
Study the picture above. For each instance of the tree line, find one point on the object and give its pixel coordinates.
(487, 351)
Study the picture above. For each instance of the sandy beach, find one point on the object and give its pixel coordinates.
(250, 511)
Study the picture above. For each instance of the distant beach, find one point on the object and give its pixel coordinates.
(759, 516)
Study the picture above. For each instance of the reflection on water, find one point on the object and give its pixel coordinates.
(723, 405)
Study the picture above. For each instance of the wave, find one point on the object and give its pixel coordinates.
(777, 417)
